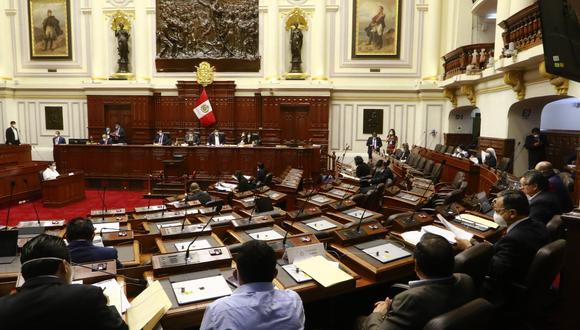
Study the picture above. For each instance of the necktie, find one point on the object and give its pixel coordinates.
(374, 143)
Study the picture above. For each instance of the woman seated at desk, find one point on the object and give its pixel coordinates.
(196, 194)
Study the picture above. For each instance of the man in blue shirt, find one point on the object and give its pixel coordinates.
(255, 304)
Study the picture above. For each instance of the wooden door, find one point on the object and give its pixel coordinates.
(295, 122)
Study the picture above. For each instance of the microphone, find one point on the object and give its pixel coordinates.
(412, 216)
(362, 216)
(298, 215)
(12, 184)
(218, 209)
(148, 201)
(252, 213)
(132, 280)
(104, 208)
(33, 206)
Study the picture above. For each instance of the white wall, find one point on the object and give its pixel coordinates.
(561, 115)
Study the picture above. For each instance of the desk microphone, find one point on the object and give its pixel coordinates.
(252, 213)
(362, 216)
(32, 203)
(298, 215)
(218, 209)
(12, 184)
(412, 216)
(104, 207)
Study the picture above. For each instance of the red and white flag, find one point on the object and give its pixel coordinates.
(203, 110)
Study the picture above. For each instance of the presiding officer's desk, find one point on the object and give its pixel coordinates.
(137, 162)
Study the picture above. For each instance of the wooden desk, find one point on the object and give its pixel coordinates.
(129, 254)
(208, 161)
(63, 190)
(166, 246)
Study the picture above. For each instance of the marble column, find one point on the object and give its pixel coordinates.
(318, 51)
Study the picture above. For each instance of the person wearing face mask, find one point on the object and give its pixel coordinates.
(543, 203)
(556, 185)
(514, 252)
(392, 141)
(536, 144)
(216, 138)
(47, 299)
(162, 139)
(460, 152)
(57, 139)
(50, 173)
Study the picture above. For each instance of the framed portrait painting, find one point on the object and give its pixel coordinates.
(376, 29)
(49, 29)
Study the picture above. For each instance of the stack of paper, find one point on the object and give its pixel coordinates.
(451, 234)
(148, 307)
(201, 289)
(323, 271)
(115, 294)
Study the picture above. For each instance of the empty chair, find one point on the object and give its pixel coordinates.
(450, 197)
(474, 262)
(504, 164)
(477, 314)
(449, 186)
(427, 169)
(438, 147)
(449, 149)
(555, 228)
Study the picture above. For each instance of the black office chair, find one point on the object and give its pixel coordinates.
(268, 179)
(474, 262)
(449, 197)
(504, 164)
(477, 314)
(449, 149)
(555, 227)
(438, 147)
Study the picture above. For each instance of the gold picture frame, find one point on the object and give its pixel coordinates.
(376, 29)
(49, 29)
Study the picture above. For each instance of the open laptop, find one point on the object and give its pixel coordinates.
(8, 246)
(484, 205)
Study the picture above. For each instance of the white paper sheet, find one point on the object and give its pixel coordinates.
(321, 225)
(448, 235)
(359, 213)
(199, 244)
(201, 289)
(115, 293)
(296, 273)
(386, 252)
(266, 235)
(223, 218)
(412, 237)
(458, 232)
(297, 253)
(106, 227)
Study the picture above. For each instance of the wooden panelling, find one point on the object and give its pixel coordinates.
(502, 147)
(455, 139)
(561, 145)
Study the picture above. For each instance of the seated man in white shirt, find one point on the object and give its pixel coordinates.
(50, 173)
(256, 304)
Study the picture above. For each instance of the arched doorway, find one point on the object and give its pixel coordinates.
(464, 126)
(522, 117)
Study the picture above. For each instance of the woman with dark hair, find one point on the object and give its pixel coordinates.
(362, 168)
(392, 140)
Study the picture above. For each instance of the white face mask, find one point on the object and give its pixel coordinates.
(536, 135)
(53, 168)
(498, 218)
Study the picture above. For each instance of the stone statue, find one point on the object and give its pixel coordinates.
(296, 48)
(123, 36)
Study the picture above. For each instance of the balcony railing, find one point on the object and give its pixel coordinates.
(523, 28)
(467, 58)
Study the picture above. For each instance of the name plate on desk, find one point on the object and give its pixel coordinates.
(201, 289)
(169, 263)
(257, 221)
(188, 230)
(201, 244)
(108, 212)
(150, 208)
(359, 213)
(43, 223)
(367, 230)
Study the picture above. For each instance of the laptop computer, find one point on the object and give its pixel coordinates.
(8, 246)
(484, 205)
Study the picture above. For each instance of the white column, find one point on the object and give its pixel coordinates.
(318, 57)
(517, 5)
(98, 33)
(503, 12)
(6, 60)
(430, 63)
(271, 42)
(140, 36)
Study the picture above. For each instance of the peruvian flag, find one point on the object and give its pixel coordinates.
(203, 110)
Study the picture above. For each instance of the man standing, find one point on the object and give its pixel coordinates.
(57, 139)
(51, 29)
(216, 138)
(536, 144)
(255, 304)
(374, 143)
(437, 291)
(12, 134)
(118, 135)
(47, 300)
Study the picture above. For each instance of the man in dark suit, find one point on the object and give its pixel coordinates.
(536, 144)
(57, 139)
(118, 135)
(162, 138)
(374, 143)
(105, 139)
(362, 168)
(543, 203)
(47, 300)
(216, 138)
(192, 138)
(437, 291)
(79, 234)
(196, 194)
(243, 184)
(556, 185)
(12, 134)
(514, 252)
(261, 173)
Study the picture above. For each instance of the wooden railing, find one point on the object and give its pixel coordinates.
(456, 62)
(523, 28)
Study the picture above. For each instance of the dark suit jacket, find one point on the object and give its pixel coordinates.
(10, 138)
(413, 308)
(211, 139)
(201, 196)
(58, 139)
(46, 302)
(544, 206)
(109, 141)
(163, 139)
(512, 257)
(82, 251)
(363, 170)
(261, 176)
(370, 144)
(381, 177)
(557, 187)
(490, 161)
(193, 139)
(536, 153)
(121, 137)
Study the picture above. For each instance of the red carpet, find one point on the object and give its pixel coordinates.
(113, 199)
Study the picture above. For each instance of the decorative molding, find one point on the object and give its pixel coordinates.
(449, 93)
(561, 84)
(422, 7)
(469, 92)
(10, 12)
(516, 80)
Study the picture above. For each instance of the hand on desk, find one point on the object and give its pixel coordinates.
(463, 244)
(383, 306)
